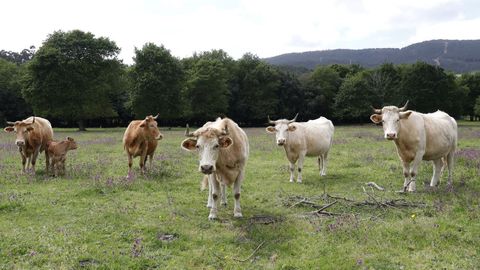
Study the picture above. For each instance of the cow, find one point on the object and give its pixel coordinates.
(223, 150)
(417, 136)
(32, 135)
(57, 151)
(300, 139)
(140, 139)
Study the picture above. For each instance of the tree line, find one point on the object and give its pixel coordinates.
(75, 78)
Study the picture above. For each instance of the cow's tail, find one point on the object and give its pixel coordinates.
(204, 183)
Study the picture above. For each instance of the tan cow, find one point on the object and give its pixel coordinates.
(57, 151)
(417, 136)
(223, 149)
(300, 139)
(32, 135)
(141, 139)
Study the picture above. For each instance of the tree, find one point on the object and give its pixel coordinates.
(72, 77)
(470, 81)
(430, 89)
(355, 98)
(291, 97)
(476, 108)
(13, 105)
(157, 83)
(254, 96)
(320, 90)
(19, 58)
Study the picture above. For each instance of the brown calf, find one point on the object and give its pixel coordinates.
(57, 152)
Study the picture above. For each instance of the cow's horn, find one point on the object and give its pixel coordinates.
(188, 133)
(156, 116)
(225, 131)
(404, 108)
(270, 121)
(33, 121)
(379, 111)
(294, 119)
(10, 123)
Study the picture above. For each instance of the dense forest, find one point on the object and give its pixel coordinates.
(76, 79)
(458, 56)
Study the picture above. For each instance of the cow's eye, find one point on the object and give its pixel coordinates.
(197, 146)
(215, 146)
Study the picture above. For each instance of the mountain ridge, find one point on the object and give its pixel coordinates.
(459, 56)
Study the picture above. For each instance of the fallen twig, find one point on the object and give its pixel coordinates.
(251, 255)
(373, 184)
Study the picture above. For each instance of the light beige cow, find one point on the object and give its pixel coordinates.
(223, 150)
(418, 136)
(32, 135)
(300, 139)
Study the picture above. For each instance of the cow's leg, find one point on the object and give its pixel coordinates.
(437, 171)
(142, 161)
(414, 170)
(292, 170)
(301, 158)
(450, 167)
(34, 158)
(215, 193)
(130, 161)
(47, 162)
(223, 193)
(406, 175)
(320, 163)
(150, 163)
(324, 164)
(237, 210)
(210, 191)
(24, 161)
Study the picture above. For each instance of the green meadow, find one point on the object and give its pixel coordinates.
(96, 218)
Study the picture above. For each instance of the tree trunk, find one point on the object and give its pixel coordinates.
(81, 125)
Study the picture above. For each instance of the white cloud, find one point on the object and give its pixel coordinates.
(265, 28)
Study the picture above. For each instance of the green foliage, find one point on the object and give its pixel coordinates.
(157, 83)
(471, 81)
(291, 96)
(208, 85)
(72, 76)
(13, 106)
(320, 90)
(255, 95)
(476, 108)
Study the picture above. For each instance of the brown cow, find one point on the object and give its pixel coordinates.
(57, 151)
(140, 139)
(32, 135)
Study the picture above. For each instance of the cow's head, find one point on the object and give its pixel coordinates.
(22, 130)
(281, 128)
(151, 127)
(72, 144)
(389, 117)
(208, 142)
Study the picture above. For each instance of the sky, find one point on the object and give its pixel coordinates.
(262, 27)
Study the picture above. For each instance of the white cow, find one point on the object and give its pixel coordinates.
(300, 139)
(417, 136)
(223, 149)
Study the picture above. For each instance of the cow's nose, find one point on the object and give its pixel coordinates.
(206, 169)
(281, 141)
(20, 143)
(391, 136)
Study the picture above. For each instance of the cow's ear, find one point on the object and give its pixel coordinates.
(292, 128)
(225, 141)
(29, 128)
(405, 115)
(189, 144)
(9, 129)
(376, 118)
(70, 139)
(143, 123)
(270, 129)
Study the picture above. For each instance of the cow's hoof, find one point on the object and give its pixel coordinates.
(224, 204)
(237, 215)
(299, 181)
(291, 181)
(212, 217)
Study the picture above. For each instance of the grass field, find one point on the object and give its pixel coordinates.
(96, 218)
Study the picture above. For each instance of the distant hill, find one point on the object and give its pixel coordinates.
(459, 56)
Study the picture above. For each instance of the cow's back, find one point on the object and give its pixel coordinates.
(441, 135)
(318, 135)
